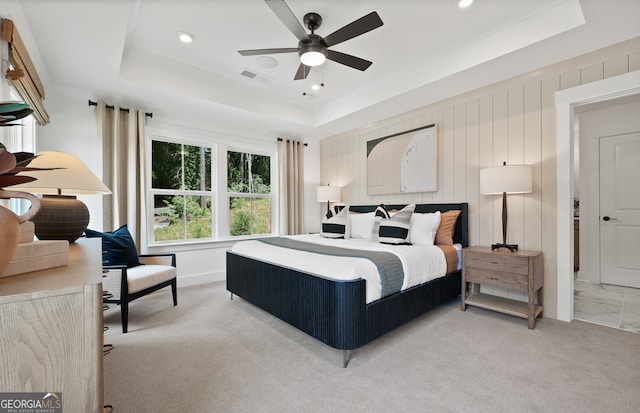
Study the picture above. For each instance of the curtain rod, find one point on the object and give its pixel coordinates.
(280, 140)
(91, 103)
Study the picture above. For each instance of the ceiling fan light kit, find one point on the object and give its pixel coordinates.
(314, 49)
(312, 54)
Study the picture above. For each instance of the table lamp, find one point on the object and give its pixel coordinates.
(503, 180)
(328, 194)
(61, 216)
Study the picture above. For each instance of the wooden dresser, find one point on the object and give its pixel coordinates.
(52, 331)
(519, 271)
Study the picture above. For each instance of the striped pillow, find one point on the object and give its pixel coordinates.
(338, 226)
(395, 230)
(334, 208)
(379, 213)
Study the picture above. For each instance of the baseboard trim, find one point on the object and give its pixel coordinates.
(198, 279)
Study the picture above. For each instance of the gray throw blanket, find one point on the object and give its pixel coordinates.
(388, 264)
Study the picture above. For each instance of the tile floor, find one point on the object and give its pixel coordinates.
(608, 305)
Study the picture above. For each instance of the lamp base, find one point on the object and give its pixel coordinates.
(61, 217)
(510, 247)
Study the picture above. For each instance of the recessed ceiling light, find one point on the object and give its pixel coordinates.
(464, 3)
(185, 37)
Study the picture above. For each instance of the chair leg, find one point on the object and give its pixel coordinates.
(174, 292)
(124, 312)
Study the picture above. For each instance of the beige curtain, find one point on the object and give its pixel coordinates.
(291, 171)
(122, 135)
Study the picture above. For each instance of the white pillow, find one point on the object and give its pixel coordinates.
(424, 227)
(361, 225)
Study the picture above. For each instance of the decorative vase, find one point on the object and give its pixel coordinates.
(10, 225)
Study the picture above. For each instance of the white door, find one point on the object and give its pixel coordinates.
(620, 210)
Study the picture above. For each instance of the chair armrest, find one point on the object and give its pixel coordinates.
(158, 259)
(114, 267)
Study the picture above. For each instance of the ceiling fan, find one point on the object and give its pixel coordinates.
(314, 49)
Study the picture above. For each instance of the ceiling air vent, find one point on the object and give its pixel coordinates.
(255, 75)
(248, 74)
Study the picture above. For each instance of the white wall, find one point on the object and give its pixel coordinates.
(513, 121)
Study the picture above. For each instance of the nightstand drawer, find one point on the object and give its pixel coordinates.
(497, 262)
(510, 280)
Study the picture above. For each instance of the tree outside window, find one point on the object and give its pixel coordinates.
(249, 189)
(181, 189)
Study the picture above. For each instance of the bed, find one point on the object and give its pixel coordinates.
(335, 311)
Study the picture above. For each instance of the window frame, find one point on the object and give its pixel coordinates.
(152, 192)
(219, 186)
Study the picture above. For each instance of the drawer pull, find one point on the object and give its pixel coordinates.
(493, 278)
(494, 262)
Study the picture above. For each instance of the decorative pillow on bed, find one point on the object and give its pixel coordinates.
(379, 213)
(424, 227)
(334, 208)
(361, 224)
(395, 230)
(447, 227)
(338, 226)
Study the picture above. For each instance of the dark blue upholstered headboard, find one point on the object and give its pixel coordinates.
(461, 234)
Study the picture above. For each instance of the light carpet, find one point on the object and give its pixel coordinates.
(213, 354)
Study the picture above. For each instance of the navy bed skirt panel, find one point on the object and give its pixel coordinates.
(331, 311)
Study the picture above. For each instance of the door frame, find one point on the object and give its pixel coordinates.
(566, 101)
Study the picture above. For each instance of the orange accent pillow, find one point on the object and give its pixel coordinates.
(447, 227)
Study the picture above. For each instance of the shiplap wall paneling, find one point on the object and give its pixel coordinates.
(485, 160)
(460, 161)
(515, 156)
(533, 156)
(500, 155)
(615, 67)
(570, 79)
(472, 169)
(634, 62)
(548, 188)
(592, 73)
(447, 166)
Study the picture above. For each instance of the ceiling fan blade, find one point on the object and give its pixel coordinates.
(348, 60)
(303, 72)
(286, 16)
(267, 51)
(356, 28)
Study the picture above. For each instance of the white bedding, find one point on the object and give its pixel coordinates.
(421, 263)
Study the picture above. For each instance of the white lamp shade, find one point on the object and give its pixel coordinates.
(512, 179)
(74, 177)
(328, 193)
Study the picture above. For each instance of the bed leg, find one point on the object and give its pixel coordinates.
(231, 296)
(345, 358)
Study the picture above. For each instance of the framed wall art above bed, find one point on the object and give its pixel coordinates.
(404, 162)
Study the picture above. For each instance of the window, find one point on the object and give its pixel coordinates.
(249, 190)
(187, 193)
(181, 191)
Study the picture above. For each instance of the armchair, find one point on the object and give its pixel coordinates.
(129, 276)
(127, 284)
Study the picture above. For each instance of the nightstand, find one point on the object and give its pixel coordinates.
(520, 271)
